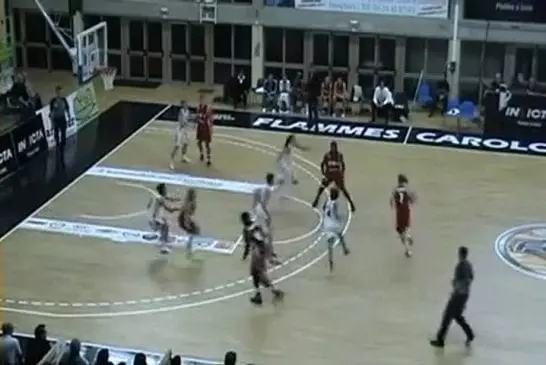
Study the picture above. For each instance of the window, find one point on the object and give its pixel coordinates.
(178, 70)
(275, 71)
(524, 61)
(63, 23)
(242, 42)
(114, 32)
(155, 37)
(387, 52)
(222, 40)
(437, 56)
(292, 72)
(35, 28)
(136, 35)
(60, 60)
(178, 39)
(415, 55)
(293, 51)
(341, 51)
(197, 40)
(471, 58)
(197, 71)
(494, 59)
(114, 60)
(366, 82)
(222, 73)
(37, 57)
(366, 52)
(136, 64)
(321, 50)
(541, 69)
(273, 44)
(90, 20)
(469, 91)
(17, 25)
(155, 67)
(410, 86)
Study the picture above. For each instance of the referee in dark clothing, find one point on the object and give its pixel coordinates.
(313, 94)
(462, 281)
(59, 114)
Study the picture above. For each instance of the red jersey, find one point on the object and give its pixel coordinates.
(333, 164)
(402, 199)
(204, 116)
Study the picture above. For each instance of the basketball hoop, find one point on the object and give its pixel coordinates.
(108, 74)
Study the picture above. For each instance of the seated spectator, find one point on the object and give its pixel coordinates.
(269, 101)
(400, 110)
(103, 357)
(441, 95)
(533, 87)
(140, 359)
(495, 85)
(298, 93)
(230, 358)
(72, 355)
(38, 347)
(382, 102)
(326, 95)
(519, 85)
(340, 97)
(10, 349)
(285, 90)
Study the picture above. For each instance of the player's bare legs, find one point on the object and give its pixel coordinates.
(183, 157)
(189, 245)
(348, 197)
(320, 191)
(164, 238)
(331, 244)
(201, 153)
(208, 150)
(184, 151)
(407, 242)
(173, 155)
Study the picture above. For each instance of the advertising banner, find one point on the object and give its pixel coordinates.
(8, 159)
(83, 108)
(29, 140)
(438, 9)
(520, 116)
(524, 11)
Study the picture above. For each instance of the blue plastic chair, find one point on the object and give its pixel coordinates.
(424, 96)
(468, 110)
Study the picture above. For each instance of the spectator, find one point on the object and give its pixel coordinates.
(103, 357)
(313, 99)
(440, 97)
(230, 358)
(495, 85)
(339, 97)
(270, 94)
(285, 90)
(10, 349)
(140, 359)
(382, 102)
(533, 87)
(326, 95)
(241, 85)
(72, 355)
(298, 93)
(519, 84)
(38, 347)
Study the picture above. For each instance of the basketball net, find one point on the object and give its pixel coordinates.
(108, 75)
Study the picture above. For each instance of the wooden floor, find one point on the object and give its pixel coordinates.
(377, 307)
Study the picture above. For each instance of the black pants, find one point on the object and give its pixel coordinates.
(384, 111)
(59, 131)
(239, 98)
(454, 311)
(313, 115)
(438, 104)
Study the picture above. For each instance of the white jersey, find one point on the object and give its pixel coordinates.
(181, 134)
(262, 196)
(285, 164)
(331, 221)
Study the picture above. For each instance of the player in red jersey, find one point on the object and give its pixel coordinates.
(186, 219)
(402, 198)
(204, 121)
(333, 171)
(255, 242)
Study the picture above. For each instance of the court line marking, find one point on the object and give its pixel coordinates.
(172, 297)
(82, 175)
(115, 217)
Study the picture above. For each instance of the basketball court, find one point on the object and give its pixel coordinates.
(87, 265)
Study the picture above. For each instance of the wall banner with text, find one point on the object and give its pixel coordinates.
(522, 11)
(438, 9)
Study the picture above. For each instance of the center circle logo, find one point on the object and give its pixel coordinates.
(524, 249)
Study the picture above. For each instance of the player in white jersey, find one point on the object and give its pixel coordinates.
(181, 134)
(159, 209)
(332, 225)
(285, 162)
(260, 200)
